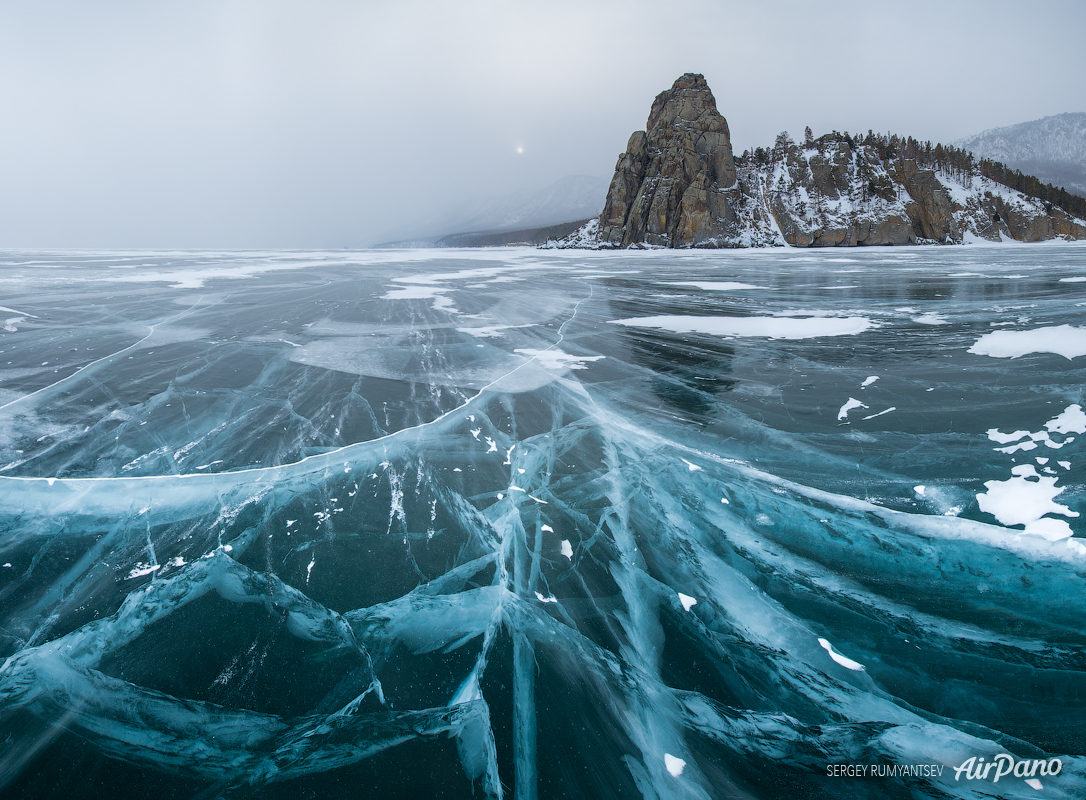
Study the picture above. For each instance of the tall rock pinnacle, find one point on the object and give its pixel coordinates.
(675, 183)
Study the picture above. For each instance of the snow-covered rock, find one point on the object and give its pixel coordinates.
(679, 185)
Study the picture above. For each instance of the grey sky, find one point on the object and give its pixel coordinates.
(325, 123)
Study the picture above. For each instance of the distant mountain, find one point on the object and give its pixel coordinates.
(568, 199)
(1052, 149)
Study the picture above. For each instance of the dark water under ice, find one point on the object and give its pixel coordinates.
(519, 524)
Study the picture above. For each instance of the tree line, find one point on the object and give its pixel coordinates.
(954, 162)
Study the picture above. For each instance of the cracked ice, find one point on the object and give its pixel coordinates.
(335, 524)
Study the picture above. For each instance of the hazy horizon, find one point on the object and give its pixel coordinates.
(282, 125)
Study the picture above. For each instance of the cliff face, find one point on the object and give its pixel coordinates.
(679, 185)
(675, 184)
(836, 192)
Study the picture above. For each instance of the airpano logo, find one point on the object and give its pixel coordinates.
(976, 769)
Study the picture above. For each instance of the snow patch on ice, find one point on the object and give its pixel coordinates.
(687, 601)
(879, 414)
(1071, 420)
(767, 327)
(558, 360)
(931, 319)
(491, 331)
(435, 293)
(1024, 499)
(674, 765)
(142, 569)
(844, 661)
(851, 404)
(716, 286)
(1068, 341)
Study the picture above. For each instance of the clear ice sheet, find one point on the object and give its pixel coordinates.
(426, 523)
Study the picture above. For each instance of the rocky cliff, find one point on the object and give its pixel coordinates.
(675, 184)
(679, 185)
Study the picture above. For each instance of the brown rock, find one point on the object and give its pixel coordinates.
(675, 184)
(931, 211)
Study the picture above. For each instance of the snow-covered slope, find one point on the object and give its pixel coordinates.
(840, 191)
(1052, 148)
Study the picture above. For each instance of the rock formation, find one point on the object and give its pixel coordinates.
(679, 185)
(675, 184)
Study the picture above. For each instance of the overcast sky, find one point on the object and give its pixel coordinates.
(332, 123)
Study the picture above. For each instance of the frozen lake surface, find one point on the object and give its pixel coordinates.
(518, 523)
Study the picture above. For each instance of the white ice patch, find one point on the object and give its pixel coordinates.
(491, 331)
(24, 314)
(687, 601)
(716, 286)
(844, 661)
(930, 319)
(1063, 340)
(441, 302)
(557, 360)
(868, 381)
(1072, 420)
(542, 599)
(141, 570)
(1006, 438)
(1079, 279)
(1024, 500)
(1033, 783)
(879, 414)
(674, 765)
(851, 404)
(567, 549)
(692, 467)
(767, 327)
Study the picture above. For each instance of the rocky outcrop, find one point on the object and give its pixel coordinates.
(675, 184)
(930, 209)
(679, 185)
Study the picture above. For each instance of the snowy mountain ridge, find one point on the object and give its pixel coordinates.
(1052, 148)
